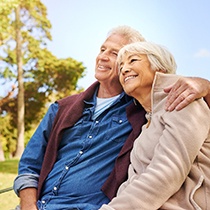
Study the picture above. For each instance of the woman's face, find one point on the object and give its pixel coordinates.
(135, 74)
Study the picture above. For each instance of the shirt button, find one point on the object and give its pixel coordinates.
(120, 121)
(55, 188)
(66, 167)
(97, 122)
(80, 152)
(43, 201)
(90, 137)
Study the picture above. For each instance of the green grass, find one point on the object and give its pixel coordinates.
(9, 166)
(8, 172)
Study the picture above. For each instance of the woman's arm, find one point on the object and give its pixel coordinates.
(185, 91)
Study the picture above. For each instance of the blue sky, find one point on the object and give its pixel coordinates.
(79, 27)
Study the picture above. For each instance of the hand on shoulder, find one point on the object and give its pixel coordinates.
(185, 91)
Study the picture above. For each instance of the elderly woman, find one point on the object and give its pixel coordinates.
(170, 161)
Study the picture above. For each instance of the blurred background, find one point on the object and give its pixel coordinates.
(48, 50)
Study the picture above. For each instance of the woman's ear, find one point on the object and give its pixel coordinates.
(161, 71)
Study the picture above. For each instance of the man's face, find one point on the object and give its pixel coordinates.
(106, 69)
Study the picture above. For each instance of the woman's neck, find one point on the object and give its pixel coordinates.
(145, 101)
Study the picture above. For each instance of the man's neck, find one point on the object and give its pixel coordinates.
(108, 92)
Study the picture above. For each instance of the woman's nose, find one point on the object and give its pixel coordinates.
(125, 70)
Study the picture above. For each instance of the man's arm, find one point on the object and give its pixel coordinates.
(26, 183)
(185, 91)
(28, 198)
(207, 99)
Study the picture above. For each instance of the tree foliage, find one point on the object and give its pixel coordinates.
(45, 76)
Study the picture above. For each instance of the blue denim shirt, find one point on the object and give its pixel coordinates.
(85, 158)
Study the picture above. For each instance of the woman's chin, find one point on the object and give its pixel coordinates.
(128, 91)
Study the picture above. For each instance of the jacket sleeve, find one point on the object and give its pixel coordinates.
(183, 136)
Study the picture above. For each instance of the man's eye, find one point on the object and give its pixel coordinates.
(115, 53)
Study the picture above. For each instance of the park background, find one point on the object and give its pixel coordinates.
(80, 26)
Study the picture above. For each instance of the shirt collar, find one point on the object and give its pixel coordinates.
(123, 97)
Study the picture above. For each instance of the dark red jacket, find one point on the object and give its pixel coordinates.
(69, 112)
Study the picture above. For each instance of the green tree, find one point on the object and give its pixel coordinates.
(4, 123)
(25, 60)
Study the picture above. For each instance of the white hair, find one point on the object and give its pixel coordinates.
(159, 57)
(129, 33)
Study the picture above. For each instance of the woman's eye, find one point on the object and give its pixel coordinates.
(133, 60)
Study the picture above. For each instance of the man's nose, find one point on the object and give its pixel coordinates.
(104, 56)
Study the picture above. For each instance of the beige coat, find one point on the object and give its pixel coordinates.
(170, 161)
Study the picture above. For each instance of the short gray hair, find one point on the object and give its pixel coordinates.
(129, 33)
(159, 57)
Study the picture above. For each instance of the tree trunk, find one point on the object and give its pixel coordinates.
(2, 158)
(20, 97)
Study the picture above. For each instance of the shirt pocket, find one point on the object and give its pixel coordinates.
(75, 131)
(119, 129)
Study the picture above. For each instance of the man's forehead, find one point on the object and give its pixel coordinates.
(117, 40)
(113, 44)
